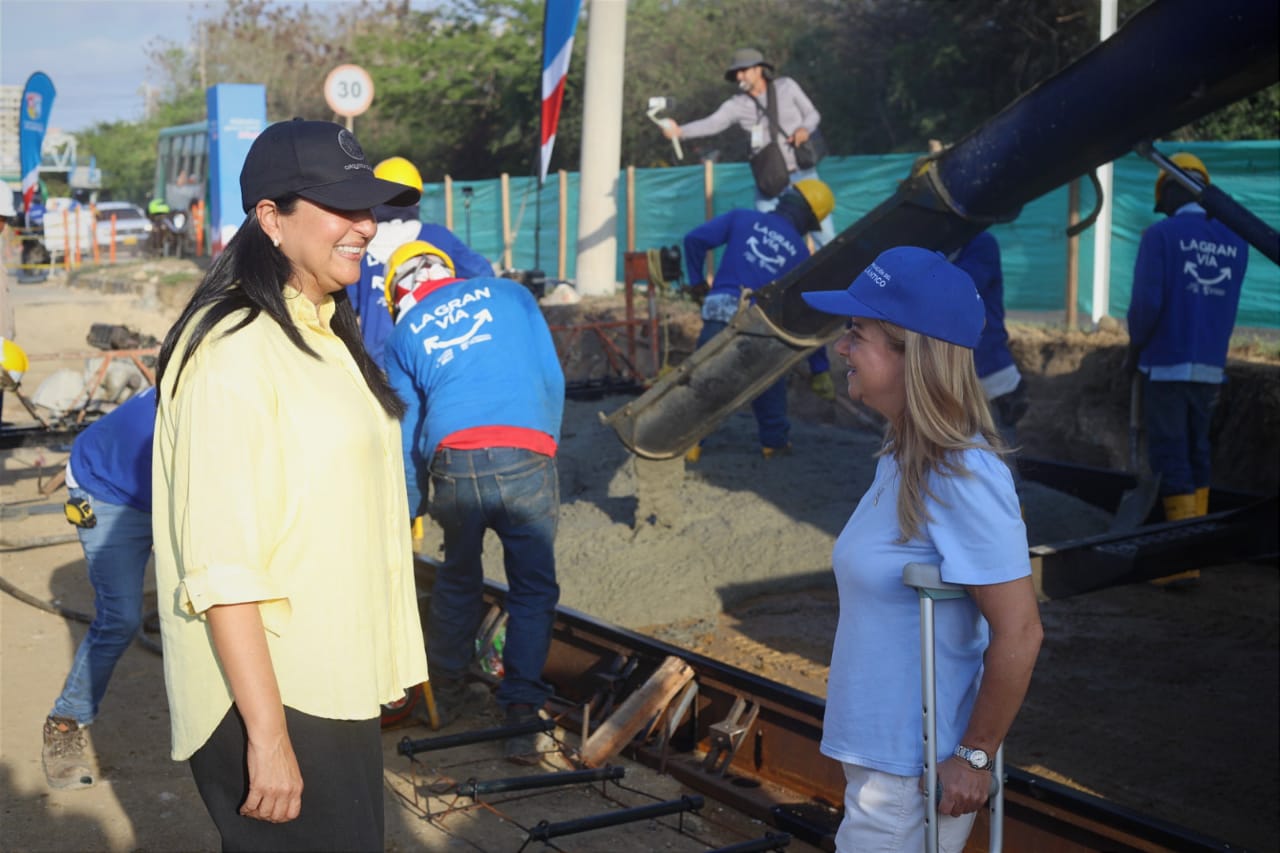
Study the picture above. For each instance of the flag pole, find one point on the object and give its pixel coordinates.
(559, 20)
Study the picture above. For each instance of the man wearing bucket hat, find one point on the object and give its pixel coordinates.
(749, 109)
(940, 495)
(1186, 291)
(281, 541)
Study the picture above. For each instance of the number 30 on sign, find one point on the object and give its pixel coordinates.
(348, 90)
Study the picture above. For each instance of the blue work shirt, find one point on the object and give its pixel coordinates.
(368, 295)
(111, 458)
(1186, 291)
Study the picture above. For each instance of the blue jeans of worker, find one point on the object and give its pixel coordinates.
(826, 230)
(770, 407)
(1178, 416)
(116, 549)
(516, 494)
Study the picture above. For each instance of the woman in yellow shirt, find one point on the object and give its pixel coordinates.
(283, 555)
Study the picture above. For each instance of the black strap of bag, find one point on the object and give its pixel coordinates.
(808, 153)
(768, 165)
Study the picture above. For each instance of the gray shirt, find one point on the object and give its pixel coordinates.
(795, 110)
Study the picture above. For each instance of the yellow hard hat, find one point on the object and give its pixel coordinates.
(818, 195)
(13, 360)
(1187, 163)
(396, 268)
(400, 171)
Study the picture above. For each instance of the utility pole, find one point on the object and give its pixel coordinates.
(601, 148)
(1102, 228)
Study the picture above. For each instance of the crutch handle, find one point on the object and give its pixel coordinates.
(926, 579)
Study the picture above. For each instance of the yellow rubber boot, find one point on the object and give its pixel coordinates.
(1177, 508)
(822, 385)
(1202, 501)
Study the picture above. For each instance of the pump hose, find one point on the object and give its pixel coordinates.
(149, 619)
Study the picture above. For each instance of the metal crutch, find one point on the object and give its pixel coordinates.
(927, 581)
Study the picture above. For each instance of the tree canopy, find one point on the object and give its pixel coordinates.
(457, 88)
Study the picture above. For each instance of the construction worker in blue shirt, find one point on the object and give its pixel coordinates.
(476, 365)
(397, 226)
(109, 502)
(759, 248)
(1186, 290)
(994, 363)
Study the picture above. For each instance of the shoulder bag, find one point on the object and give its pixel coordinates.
(768, 166)
(810, 152)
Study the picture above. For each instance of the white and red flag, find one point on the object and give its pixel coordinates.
(559, 21)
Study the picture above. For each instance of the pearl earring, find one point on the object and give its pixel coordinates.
(276, 242)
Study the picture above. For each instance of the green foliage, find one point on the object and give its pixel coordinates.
(457, 88)
(458, 92)
(1254, 117)
(126, 154)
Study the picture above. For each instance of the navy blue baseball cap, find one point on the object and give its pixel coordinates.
(914, 288)
(320, 161)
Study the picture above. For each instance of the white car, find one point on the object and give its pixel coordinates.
(133, 228)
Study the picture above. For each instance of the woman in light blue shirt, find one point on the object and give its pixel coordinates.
(941, 495)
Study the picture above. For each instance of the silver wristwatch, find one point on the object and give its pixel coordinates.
(975, 758)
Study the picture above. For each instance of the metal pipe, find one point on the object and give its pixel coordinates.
(546, 831)
(474, 789)
(408, 747)
(1065, 127)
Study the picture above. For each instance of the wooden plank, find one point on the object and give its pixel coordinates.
(638, 708)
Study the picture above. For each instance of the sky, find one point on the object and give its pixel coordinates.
(95, 51)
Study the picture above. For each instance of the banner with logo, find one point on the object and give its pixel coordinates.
(33, 121)
(237, 114)
(559, 21)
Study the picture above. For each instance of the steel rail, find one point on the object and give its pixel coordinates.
(780, 777)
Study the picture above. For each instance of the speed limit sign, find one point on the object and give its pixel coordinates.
(348, 90)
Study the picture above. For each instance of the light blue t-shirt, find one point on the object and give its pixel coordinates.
(976, 534)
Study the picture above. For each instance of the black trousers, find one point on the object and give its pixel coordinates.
(341, 764)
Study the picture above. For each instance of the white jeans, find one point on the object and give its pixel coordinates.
(884, 813)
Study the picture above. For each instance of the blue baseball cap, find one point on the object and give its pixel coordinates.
(914, 288)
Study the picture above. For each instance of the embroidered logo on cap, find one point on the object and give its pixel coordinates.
(347, 142)
(878, 274)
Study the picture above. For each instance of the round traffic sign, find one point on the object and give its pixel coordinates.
(348, 90)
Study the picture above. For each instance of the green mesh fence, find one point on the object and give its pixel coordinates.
(669, 202)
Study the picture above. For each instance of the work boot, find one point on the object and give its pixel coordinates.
(66, 762)
(1179, 507)
(774, 452)
(456, 698)
(1202, 501)
(822, 385)
(693, 454)
(522, 749)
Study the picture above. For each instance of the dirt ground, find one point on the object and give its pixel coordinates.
(1162, 701)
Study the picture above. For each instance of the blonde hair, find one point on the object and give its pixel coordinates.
(945, 409)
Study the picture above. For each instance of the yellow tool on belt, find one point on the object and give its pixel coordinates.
(80, 513)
